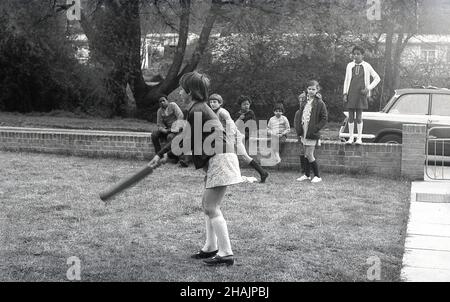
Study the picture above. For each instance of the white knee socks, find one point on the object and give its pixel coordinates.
(220, 229)
(360, 129)
(211, 238)
(351, 128)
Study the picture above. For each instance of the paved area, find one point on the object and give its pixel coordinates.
(427, 244)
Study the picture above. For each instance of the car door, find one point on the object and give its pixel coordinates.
(440, 117)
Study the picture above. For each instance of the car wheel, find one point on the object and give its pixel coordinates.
(390, 139)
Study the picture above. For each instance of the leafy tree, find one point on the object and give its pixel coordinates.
(114, 32)
(39, 69)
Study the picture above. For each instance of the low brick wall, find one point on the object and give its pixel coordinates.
(414, 145)
(334, 156)
(381, 159)
(77, 142)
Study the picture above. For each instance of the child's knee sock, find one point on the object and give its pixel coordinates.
(360, 130)
(351, 129)
(211, 238)
(315, 168)
(307, 167)
(220, 229)
(302, 164)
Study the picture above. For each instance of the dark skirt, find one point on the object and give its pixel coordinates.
(356, 98)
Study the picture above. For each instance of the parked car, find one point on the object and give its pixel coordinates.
(430, 106)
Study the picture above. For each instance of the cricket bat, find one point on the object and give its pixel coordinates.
(127, 182)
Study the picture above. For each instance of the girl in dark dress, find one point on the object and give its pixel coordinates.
(357, 89)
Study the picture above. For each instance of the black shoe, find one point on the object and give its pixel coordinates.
(262, 173)
(264, 176)
(218, 260)
(183, 164)
(203, 255)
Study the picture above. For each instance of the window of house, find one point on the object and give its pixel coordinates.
(411, 104)
(440, 104)
(428, 54)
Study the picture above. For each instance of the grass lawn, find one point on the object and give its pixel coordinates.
(68, 120)
(280, 231)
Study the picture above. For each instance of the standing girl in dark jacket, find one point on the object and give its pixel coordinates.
(221, 166)
(309, 120)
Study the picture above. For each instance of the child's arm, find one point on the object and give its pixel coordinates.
(229, 123)
(159, 122)
(297, 122)
(323, 116)
(375, 76)
(288, 127)
(177, 111)
(348, 74)
(251, 115)
(269, 126)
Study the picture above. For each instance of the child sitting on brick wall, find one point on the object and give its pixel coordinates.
(278, 128)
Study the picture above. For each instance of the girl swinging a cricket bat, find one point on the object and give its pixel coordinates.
(222, 167)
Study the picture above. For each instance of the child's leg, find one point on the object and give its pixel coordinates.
(282, 142)
(309, 150)
(211, 206)
(241, 151)
(303, 160)
(359, 125)
(304, 164)
(351, 125)
(211, 238)
(275, 146)
(309, 153)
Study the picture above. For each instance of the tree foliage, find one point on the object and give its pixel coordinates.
(39, 69)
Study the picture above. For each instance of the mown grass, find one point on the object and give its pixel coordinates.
(68, 120)
(280, 231)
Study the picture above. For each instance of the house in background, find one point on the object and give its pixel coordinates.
(427, 48)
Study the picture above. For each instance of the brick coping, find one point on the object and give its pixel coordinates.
(147, 134)
(74, 131)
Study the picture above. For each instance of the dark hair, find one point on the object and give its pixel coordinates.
(216, 97)
(195, 84)
(313, 83)
(360, 49)
(243, 98)
(278, 106)
(162, 96)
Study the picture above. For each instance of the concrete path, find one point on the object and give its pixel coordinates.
(427, 245)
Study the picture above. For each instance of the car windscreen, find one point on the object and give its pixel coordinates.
(411, 104)
(389, 104)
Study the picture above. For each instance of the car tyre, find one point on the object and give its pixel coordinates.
(391, 139)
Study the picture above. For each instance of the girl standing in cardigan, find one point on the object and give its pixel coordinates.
(216, 102)
(222, 167)
(357, 90)
(309, 119)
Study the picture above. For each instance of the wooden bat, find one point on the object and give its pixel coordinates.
(127, 182)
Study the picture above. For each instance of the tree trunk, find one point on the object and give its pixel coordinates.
(387, 81)
(149, 104)
(114, 35)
